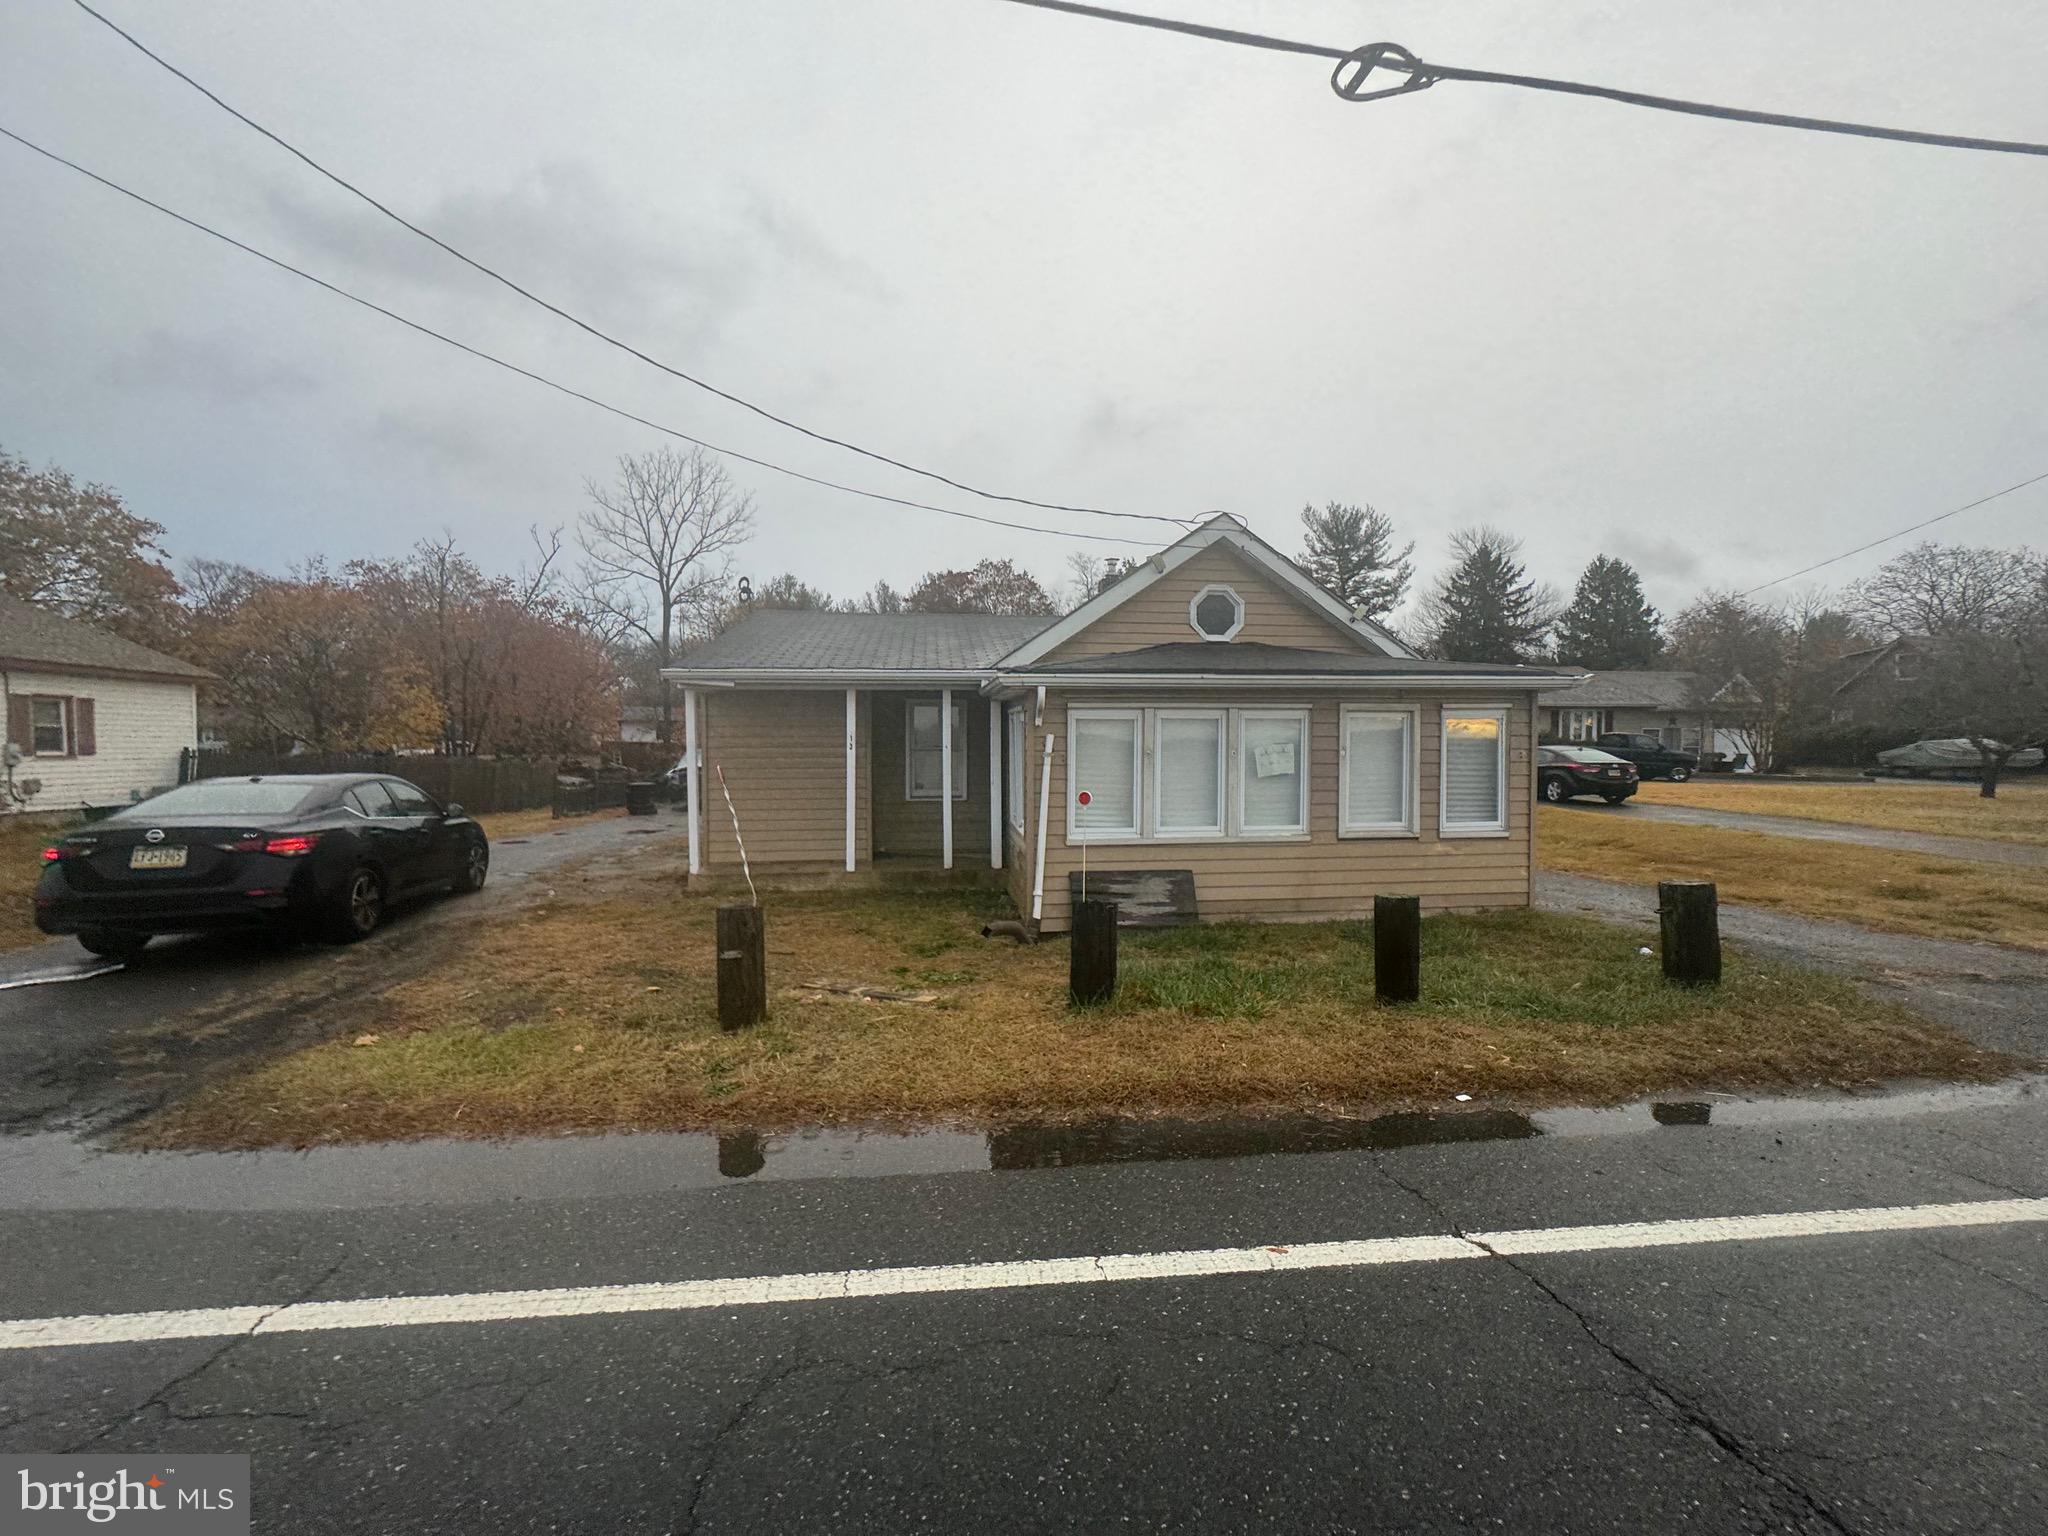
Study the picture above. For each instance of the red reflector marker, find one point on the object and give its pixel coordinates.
(292, 847)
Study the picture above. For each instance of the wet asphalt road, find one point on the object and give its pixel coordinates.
(1872, 1383)
(1983, 850)
(89, 1054)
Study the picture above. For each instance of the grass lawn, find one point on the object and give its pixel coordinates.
(1877, 887)
(2018, 815)
(597, 1014)
(21, 865)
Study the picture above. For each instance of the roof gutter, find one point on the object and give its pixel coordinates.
(1025, 680)
(823, 677)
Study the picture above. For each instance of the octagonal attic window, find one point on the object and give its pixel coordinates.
(1217, 613)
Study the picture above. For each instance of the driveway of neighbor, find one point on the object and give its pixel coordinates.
(1986, 850)
(85, 1045)
(1994, 996)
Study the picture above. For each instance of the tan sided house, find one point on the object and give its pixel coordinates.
(1226, 717)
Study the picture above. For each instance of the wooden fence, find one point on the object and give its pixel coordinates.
(477, 784)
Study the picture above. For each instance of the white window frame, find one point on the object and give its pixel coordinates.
(1157, 829)
(1133, 833)
(1498, 827)
(911, 749)
(36, 726)
(1212, 590)
(1411, 731)
(1582, 725)
(1014, 737)
(1299, 830)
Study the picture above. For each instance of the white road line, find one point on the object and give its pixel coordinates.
(839, 1284)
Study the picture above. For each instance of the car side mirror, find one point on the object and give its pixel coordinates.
(455, 808)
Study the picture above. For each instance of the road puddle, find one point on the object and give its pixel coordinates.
(51, 1171)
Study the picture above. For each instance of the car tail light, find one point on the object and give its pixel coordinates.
(52, 855)
(292, 847)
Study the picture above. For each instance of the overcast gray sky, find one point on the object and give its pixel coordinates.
(1047, 256)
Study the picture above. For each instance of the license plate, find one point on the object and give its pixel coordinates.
(156, 858)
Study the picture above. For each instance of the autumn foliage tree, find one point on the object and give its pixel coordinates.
(77, 548)
(993, 586)
(308, 661)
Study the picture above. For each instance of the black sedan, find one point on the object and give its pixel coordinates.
(314, 855)
(1563, 772)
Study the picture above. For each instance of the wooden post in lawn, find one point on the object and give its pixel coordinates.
(1397, 948)
(1091, 967)
(742, 967)
(1689, 923)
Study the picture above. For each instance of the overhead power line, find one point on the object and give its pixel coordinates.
(539, 378)
(584, 325)
(1900, 534)
(1352, 80)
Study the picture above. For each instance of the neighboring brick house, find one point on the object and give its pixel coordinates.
(97, 720)
(1229, 720)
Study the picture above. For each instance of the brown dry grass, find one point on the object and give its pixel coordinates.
(597, 1014)
(1876, 887)
(21, 865)
(2018, 815)
(499, 825)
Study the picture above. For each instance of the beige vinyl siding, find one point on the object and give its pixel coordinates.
(784, 756)
(906, 828)
(1323, 876)
(1159, 614)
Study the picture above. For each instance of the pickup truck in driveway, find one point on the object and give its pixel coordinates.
(1652, 758)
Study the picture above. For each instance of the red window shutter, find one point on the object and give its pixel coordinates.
(86, 743)
(21, 722)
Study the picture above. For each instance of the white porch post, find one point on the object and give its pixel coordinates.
(692, 779)
(852, 806)
(995, 785)
(946, 776)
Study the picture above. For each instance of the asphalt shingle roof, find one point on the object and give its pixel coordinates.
(32, 636)
(1252, 657)
(800, 639)
(1669, 691)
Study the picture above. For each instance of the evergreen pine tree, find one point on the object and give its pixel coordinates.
(1349, 552)
(1485, 607)
(1608, 624)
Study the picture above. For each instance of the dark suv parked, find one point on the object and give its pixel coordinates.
(1562, 772)
(1652, 758)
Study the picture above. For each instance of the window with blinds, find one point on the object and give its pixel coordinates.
(1103, 747)
(1189, 758)
(1272, 773)
(1475, 769)
(1377, 768)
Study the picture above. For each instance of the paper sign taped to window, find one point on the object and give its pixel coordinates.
(1274, 759)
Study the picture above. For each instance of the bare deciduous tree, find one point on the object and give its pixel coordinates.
(657, 548)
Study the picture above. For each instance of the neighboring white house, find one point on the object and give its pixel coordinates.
(96, 720)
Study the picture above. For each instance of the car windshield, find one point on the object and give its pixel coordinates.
(228, 797)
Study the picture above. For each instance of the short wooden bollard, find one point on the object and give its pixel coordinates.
(742, 967)
(1091, 967)
(1689, 924)
(1397, 948)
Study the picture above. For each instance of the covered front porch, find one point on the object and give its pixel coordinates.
(848, 779)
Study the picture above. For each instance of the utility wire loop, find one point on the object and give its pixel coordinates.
(1355, 69)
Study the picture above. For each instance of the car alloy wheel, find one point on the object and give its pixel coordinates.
(1553, 791)
(476, 868)
(365, 901)
(1680, 774)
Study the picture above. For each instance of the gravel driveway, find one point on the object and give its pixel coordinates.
(1996, 997)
